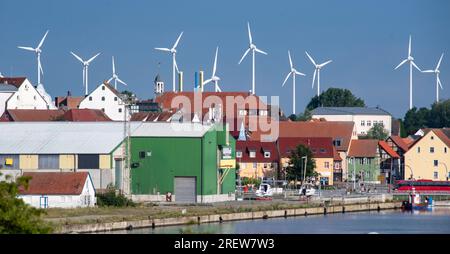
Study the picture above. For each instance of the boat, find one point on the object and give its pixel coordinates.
(265, 190)
(415, 202)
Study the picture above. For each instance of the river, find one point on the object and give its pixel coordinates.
(383, 222)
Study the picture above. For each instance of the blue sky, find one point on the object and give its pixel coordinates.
(365, 40)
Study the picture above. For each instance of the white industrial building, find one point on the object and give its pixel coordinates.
(363, 117)
(107, 99)
(19, 93)
(59, 190)
(94, 147)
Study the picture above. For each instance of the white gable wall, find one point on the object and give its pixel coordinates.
(114, 109)
(26, 97)
(4, 96)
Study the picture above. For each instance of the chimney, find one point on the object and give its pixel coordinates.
(180, 81)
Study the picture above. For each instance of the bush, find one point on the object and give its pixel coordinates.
(110, 198)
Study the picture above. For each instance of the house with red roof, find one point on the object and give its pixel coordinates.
(364, 161)
(257, 159)
(58, 190)
(44, 115)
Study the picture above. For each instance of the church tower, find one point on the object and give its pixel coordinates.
(159, 85)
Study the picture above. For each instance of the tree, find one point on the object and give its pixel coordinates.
(402, 129)
(436, 117)
(335, 97)
(16, 217)
(439, 115)
(297, 164)
(416, 119)
(377, 132)
(306, 116)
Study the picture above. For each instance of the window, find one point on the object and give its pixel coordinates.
(226, 152)
(242, 112)
(141, 154)
(327, 164)
(418, 149)
(432, 137)
(252, 154)
(363, 123)
(238, 154)
(266, 154)
(436, 163)
(445, 149)
(254, 164)
(337, 142)
(265, 165)
(375, 122)
(17, 97)
(103, 87)
(322, 150)
(436, 175)
(88, 161)
(90, 98)
(34, 97)
(115, 98)
(431, 149)
(369, 123)
(48, 161)
(120, 110)
(263, 112)
(103, 98)
(364, 161)
(103, 109)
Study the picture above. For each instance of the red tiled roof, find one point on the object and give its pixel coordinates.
(55, 183)
(68, 101)
(400, 142)
(333, 129)
(442, 135)
(16, 81)
(152, 116)
(320, 147)
(31, 115)
(86, 115)
(336, 155)
(259, 148)
(385, 146)
(363, 148)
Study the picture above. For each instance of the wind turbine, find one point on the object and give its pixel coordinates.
(317, 71)
(173, 50)
(214, 78)
(115, 76)
(409, 59)
(85, 69)
(38, 51)
(293, 72)
(438, 81)
(254, 49)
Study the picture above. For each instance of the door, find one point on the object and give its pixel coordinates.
(118, 174)
(185, 189)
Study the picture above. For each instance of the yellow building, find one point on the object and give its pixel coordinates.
(257, 159)
(429, 157)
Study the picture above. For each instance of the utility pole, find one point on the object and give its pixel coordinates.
(127, 101)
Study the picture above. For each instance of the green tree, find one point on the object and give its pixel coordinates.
(439, 115)
(335, 97)
(402, 129)
(377, 132)
(416, 119)
(295, 170)
(293, 117)
(305, 116)
(16, 217)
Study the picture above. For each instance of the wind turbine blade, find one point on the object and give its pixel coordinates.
(77, 57)
(27, 48)
(40, 67)
(207, 81)
(404, 61)
(290, 60)
(249, 33)
(120, 81)
(310, 58)
(176, 65)
(92, 58)
(414, 64)
(439, 82)
(109, 80)
(163, 49)
(439, 63)
(428, 71)
(409, 47)
(42, 41)
(246, 52)
(314, 78)
(299, 73)
(285, 80)
(178, 40)
(260, 51)
(218, 88)
(114, 67)
(327, 62)
(215, 63)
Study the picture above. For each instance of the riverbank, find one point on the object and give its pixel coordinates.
(98, 220)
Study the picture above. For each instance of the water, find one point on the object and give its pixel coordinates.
(384, 222)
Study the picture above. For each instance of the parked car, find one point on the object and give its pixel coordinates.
(307, 190)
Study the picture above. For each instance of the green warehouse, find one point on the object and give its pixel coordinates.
(195, 163)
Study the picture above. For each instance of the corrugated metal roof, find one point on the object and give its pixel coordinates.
(161, 129)
(61, 137)
(7, 88)
(348, 111)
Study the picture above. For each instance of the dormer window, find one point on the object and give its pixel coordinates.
(238, 154)
(252, 154)
(266, 154)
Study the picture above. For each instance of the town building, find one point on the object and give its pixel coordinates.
(257, 159)
(194, 162)
(19, 93)
(145, 106)
(363, 117)
(59, 190)
(42, 115)
(363, 161)
(429, 156)
(68, 102)
(94, 147)
(107, 99)
(322, 150)
(341, 134)
(389, 163)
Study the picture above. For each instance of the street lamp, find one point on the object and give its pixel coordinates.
(304, 169)
(412, 175)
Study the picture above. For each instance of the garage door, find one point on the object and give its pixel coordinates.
(185, 190)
